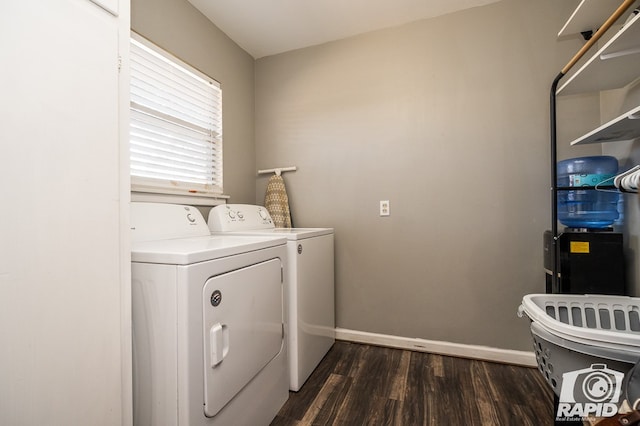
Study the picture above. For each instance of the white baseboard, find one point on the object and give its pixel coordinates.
(485, 353)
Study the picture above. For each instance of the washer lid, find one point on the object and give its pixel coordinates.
(185, 251)
(299, 233)
(290, 233)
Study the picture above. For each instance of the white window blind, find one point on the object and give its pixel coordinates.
(176, 125)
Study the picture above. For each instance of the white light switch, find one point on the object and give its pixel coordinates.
(384, 208)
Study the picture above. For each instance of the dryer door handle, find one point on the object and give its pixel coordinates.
(219, 340)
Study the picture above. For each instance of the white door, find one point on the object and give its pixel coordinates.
(243, 329)
(63, 301)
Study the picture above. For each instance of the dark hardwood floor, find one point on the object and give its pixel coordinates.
(368, 385)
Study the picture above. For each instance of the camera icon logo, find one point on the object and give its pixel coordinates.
(597, 384)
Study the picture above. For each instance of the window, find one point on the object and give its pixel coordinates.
(175, 125)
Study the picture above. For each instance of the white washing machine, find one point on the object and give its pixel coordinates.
(209, 346)
(309, 286)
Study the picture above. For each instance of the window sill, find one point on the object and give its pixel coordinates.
(190, 200)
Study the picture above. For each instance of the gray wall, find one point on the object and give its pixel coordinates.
(179, 28)
(448, 119)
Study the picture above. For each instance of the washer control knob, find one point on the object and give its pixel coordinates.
(232, 214)
(190, 218)
(263, 214)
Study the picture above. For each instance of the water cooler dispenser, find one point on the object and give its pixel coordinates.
(591, 262)
(591, 255)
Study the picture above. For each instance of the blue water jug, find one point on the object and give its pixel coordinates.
(587, 208)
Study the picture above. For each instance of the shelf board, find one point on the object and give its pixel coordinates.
(614, 65)
(622, 128)
(588, 16)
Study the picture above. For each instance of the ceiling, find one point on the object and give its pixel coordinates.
(269, 27)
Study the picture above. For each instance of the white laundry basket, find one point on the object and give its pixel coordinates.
(574, 332)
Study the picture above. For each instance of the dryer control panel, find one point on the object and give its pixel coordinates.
(158, 221)
(239, 217)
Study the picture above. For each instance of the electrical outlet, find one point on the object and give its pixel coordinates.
(384, 208)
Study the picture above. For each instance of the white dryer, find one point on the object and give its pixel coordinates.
(208, 322)
(309, 287)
